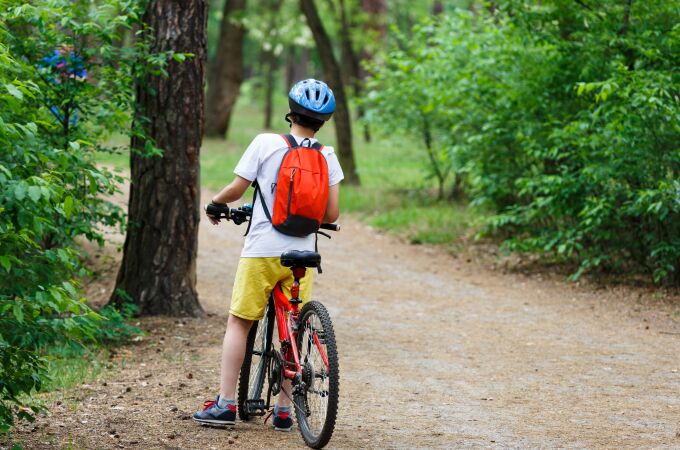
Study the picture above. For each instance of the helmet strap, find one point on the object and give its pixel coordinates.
(290, 122)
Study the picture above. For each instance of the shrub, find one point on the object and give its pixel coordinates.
(51, 191)
(564, 119)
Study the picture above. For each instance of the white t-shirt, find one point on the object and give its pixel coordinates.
(261, 162)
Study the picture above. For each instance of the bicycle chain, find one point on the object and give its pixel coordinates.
(275, 373)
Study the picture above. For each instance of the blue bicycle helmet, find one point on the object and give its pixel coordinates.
(312, 98)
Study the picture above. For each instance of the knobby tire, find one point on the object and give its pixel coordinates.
(317, 431)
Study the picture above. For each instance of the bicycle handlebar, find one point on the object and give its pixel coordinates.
(330, 226)
(243, 213)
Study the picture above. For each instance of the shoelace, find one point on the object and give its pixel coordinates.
(208, 403)
(283, 415)
(269, 414)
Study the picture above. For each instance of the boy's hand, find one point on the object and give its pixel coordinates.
(210, 208)
(212, 219)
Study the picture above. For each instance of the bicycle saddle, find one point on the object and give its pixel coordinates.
(300, 258)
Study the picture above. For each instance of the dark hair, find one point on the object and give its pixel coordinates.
(304, 121)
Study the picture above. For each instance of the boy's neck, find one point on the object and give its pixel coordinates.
(297, 130)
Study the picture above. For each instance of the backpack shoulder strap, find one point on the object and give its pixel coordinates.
(256, 187)
(317, 146)
(290, 140)
(257, 190)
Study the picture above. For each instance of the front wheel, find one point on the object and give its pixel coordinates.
(316, 398)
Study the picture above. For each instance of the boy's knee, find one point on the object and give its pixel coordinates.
(239, 322)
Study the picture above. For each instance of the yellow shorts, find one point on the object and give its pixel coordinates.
(255, 280)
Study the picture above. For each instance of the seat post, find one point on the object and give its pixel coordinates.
(298, 273)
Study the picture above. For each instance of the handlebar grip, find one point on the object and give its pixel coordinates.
(330, 226)
(217, 211)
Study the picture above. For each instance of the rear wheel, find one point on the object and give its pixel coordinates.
(256, 361)
(316, 398)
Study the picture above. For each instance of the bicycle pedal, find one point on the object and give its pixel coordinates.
(256, 407)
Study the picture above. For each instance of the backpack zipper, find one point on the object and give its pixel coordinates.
(290, 189)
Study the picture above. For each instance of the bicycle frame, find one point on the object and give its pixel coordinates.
(286, 321)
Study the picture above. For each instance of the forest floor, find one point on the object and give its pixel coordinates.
(436, 351)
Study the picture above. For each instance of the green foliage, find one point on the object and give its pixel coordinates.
(116, 327)
(407, 91)
(563, 118)
(51, 192)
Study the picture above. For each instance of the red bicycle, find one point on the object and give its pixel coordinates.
(306, 353)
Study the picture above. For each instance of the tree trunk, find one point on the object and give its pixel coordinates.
(628, 52)
(158, 271)
(350, 63)
(343, 127)
(375, 29)
(226, 72)
(297, 68)
(270, 60)
(270, 67)
(437, 8)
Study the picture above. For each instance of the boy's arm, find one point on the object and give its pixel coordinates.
(333, 206)
(233, 191)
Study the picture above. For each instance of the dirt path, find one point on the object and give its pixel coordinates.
(435, 353)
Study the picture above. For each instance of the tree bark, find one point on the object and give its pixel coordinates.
(270, 60)
(376, 30)
(350, 63)
(297, 67)
(226, 72)
(158, 271)
(270, 67)
(437, 8)
(628, 51)
(343, 128)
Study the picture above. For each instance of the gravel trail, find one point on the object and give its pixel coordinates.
(435, 352)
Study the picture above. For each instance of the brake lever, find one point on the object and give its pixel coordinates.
(238, 219)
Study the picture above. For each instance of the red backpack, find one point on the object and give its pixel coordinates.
(301, 194)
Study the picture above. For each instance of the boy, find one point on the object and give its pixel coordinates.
(311, 104)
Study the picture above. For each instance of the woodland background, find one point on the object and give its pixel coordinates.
(550, 128)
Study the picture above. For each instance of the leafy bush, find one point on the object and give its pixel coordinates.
(51, 191)
(407, 91)
(564, 118)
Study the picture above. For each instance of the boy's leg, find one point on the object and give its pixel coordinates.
(233, 352)
(223, 410)
(249, 298)
(283, 399)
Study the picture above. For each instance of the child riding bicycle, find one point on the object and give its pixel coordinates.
(259, 269)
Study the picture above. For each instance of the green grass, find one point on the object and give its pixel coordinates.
(439, 223)
(68, 368)
(394, 194)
